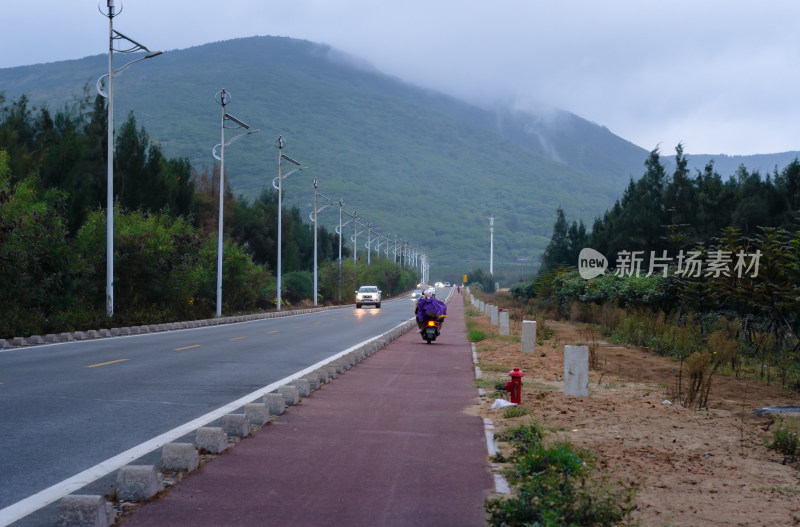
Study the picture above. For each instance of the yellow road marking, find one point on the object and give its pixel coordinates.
(315, 323)
(298, 327)
(187, 347)
(273, 331)
(105, 363)
(237, 338)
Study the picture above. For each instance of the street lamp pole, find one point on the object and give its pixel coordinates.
(314, 219)
(341, 204)
(281, 157)
(355, 237)
(224, 97)
(491, 245)
(340, 231)
(315, 242)
(369, 243)
(108, 92)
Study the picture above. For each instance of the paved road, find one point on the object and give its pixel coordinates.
(387, 444)
(66, 407)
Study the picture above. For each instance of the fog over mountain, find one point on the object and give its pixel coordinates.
(387, 147)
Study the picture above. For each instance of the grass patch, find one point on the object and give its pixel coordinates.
(486, 382)
(542, 387)
(494, 367)
(476, 335)
(556, 484)
(515, 411)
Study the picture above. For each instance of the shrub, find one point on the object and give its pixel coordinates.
(298, 285)
(555, 487)
(786, 441)
(515, 411)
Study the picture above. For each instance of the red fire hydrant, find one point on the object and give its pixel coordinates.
(514, 386)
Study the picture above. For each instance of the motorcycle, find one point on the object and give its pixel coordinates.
(430, 314)
(430, 329)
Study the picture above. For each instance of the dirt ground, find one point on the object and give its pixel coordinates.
(695, 468)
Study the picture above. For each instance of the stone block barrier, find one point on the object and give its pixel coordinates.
(211, 439)
(138, 482)
(303, 387)
(313, 381)
(236, 425)
(275, 402)
(290, 394)
(179, 457)
(84, 510)
(257, 413)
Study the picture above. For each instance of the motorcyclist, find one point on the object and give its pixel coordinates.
(428, 306)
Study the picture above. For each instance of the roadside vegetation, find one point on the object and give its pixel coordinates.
(53, 243)
(738, 315)
(557, 484)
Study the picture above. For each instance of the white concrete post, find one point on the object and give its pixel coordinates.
(504, 325)
(528, 336)
(576, 371)
(493, 311)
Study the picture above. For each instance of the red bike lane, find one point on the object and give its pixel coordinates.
(388, 443)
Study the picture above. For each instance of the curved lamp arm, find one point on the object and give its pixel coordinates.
(214, 150)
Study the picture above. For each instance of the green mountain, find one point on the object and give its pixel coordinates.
(417, 163)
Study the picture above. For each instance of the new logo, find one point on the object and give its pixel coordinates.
(591, 263)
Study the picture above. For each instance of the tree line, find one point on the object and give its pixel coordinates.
(53, 173)
(661, 212)
(713, 256)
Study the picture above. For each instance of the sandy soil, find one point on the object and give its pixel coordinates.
(698, 468)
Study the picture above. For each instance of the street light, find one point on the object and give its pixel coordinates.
(354, 238)
(314, 219)
(280, 143)
(339, 232)
(223, 97)
(369, 243)
(108, 93)
(491, 245)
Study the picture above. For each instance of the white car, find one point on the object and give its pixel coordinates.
(368, 295)
(447, 284)
(438, 284)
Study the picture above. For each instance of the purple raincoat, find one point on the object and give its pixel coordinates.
(430, 307)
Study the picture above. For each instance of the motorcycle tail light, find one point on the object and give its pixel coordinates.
(431, 323)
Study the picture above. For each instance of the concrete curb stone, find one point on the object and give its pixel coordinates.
(211, 439)
(236, 425)
(275, 402)
(257, 413)
(79, 510)
(138, 482)
(179, 457)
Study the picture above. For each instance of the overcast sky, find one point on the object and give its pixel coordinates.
(721, 76)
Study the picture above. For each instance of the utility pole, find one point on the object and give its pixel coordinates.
(491, 245)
